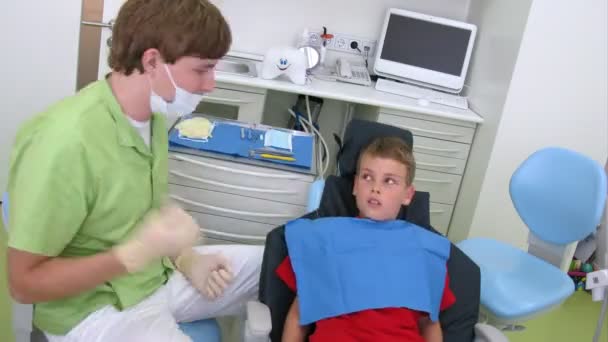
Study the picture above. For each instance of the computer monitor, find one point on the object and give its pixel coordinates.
(426, 50)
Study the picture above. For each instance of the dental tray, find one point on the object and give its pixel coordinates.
(227, 138)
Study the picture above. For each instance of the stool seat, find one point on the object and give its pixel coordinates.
(514, 283)
(206, 330)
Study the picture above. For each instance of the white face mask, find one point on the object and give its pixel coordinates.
(184, 102)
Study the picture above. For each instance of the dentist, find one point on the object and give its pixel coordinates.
(91, 241)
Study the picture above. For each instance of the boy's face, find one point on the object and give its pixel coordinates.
(380, 188)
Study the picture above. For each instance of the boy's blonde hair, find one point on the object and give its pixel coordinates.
(177, 28)
(391, 148)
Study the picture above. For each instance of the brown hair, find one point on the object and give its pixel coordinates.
(177, 28)
(391, 148)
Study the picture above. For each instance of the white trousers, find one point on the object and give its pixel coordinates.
(155, 318)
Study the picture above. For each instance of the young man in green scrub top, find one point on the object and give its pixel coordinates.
(92, 243)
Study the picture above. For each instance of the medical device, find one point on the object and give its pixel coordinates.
(308, 124)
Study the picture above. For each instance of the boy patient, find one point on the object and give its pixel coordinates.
(383, 183)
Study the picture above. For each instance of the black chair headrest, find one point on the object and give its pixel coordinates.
(360, 133)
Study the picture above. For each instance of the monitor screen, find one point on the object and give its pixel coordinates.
(425, 44)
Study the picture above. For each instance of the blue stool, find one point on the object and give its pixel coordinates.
(206, 330)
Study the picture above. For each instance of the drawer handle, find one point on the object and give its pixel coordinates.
(232, 186)
(227, 169)
(427, 180)
(446, 150)
(229, 211)
(428, 131)
(445, 166)
(223, 100)
(215, 233)
(436, 211)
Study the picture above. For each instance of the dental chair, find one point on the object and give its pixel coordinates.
(207, 330)
(459, 322)
(560, 195)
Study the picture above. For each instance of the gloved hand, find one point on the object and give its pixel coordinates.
(210, 274)
(162, 233)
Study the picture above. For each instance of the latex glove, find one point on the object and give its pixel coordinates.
(210, 274)
(162, 233)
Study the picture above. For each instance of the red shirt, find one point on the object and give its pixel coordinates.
(388, 324)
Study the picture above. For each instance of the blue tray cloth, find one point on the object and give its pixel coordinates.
(226, 139)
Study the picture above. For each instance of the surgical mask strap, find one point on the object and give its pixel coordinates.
(170, 76)
(150, 84)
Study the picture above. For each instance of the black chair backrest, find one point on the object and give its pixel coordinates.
(358, 134)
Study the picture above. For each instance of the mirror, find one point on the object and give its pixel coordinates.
(312, 56)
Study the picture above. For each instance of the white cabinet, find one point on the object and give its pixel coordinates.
(236, 202)
(234, 102)
(441, 150)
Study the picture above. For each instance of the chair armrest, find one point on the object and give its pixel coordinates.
(315, 193)
(257, 323)
(488, 333)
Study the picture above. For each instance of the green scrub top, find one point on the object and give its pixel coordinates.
(81, 179)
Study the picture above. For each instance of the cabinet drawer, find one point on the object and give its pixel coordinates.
(280, 189)
(214, 241)
(227, 96)
(232, 229)
(429, 129)
(441, 214)
(443, 187)
(229, 205)
(427, 117)
(232, 104)
(438, 163)
(201, 166)
(441, 147)
(241, 88)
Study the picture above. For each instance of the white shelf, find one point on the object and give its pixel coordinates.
(353, 94)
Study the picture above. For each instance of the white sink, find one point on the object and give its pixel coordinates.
(236, 66)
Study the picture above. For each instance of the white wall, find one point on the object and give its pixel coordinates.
(501, 25)
(557, 96)
(260, 24)
(39, 44)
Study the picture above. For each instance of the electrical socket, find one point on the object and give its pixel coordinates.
(314, 38)
(342, 42)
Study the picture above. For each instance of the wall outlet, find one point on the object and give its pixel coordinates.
(343, 42)
(314, 38)
(340, 43)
